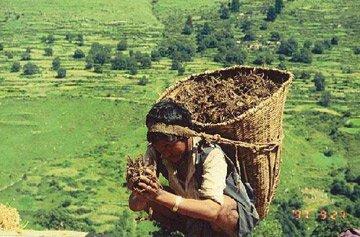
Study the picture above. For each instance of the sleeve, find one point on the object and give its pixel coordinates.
(214, 176)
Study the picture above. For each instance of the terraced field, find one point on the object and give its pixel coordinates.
(65, 141)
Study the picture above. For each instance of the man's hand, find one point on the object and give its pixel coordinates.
(148, 185)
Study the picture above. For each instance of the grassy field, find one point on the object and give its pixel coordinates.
(66, 140)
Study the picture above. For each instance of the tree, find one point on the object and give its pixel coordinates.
(61, 73)
(132, 65)
(271, 14)
(89, 62)
(279, 5)
(78, 54)
(49, 39)
(319, 80)
(263, 26)
(246, 25)
(48, 51)
(99, 53)
(188, 27)
(9, 54)
(224, 12)
(122, 45)
(175, 64)
(15, 67)
(56, 63)
(325, 99)
(307, 44)
(1, 46)
(357, 50)
(235, 5)
(30, 69)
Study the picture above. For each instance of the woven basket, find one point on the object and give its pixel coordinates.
(259, 127)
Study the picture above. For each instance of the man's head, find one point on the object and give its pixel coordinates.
(172, 147)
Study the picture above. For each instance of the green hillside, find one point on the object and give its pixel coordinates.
(65, 140)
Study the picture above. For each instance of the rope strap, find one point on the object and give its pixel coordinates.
(187, 132)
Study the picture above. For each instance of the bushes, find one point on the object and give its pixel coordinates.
(288, 47)
(143, 81)
(30, 69)
(1, 46)
(122, 45)
(249, 36)
(303, 56)
(318, 48)
(9, 54)
(61, 73)
(224, 12)
(235, 5)
(155, 55)
(319, 80)
(325, 99)
(271, 14)
(188, 27)
(49, 39)
(80, 39)
(357, 50)
(25, 56)
(78, 54)
(56, 63)
(229, 56)
(275, 36)
(339, 187)
(119, 62)
(48, 51)
(15, 67)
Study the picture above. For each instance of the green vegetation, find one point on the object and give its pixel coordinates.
(65, 142)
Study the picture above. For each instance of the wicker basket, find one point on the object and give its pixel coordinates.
(256, 134)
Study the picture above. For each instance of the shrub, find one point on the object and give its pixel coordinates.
(304, 56)
(188, 27)
(69, 37)
(25, 56)
(181, 70)
(246, 25)
(1, 46)
(325, 99)
(282, 66)
(122, 45)
(263, 26)
(49, 39)
(30, 69)
(319, 80)
(15, 67)
(318, 48)
(155, 55)
(61, 73)
(327, 44)
(48, 51)
(288, 47)
(339, 187)
(145, 61)
(335, 40)
(175, 64)
(357, 50)
(143, 81)
(271, 14)
(78, 54)
(307, 44)
(305, 75)
(89, 62)
(249, 36)
(80, 39)
(119, 62)
(9, 54)
(279, 5)
(275, 36)
(224, 12)
(98, 68)
(235, 5)
(56, 63)
(328, 152)
(132, 65)
(281, 57)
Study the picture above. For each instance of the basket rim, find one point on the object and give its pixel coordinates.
(283, 86)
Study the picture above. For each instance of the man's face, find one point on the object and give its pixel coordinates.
(171, 151)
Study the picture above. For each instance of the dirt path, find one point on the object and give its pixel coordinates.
(48, 233)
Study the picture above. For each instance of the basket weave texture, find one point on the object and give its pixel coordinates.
(254, 138)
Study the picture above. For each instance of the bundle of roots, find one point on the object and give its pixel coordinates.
(215, 99)
(9, 218)
(135, 169)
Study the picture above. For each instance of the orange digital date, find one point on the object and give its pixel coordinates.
(322, 215)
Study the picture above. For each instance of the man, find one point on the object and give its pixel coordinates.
(202, 199)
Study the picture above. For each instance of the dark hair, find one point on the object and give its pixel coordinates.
(167, 112)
